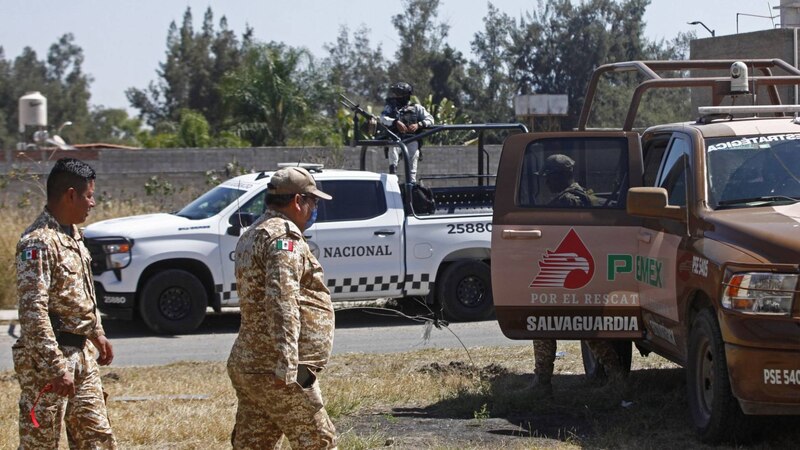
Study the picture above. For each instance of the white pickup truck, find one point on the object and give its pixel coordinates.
(171, 267)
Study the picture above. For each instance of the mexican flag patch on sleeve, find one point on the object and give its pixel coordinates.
(30, 254)
(285, 244)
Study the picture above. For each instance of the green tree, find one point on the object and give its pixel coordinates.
(445, 113)
(6, 134)
(274, 96)
(423, 57)
(65, 61)
(550, 50)
(355, 68)
(191, 75)
(191, 131)
(488, 88)
(60, 78)
(113, 126)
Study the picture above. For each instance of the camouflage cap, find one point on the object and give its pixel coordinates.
(557, 163)
(294, 180)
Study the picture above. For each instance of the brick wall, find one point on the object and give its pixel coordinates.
(123, 173)
(766, 44)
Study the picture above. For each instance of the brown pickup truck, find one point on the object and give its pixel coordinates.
(683, 238)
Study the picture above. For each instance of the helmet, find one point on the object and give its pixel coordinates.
(558, 163)
(400, 90)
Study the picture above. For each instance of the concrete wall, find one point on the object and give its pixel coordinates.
(767, 44)
(122, 174)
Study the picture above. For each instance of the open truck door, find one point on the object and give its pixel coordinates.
(564, 258)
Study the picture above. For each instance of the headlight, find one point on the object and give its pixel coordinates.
(118, 253)
(760, 293)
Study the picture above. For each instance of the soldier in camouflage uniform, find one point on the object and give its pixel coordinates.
(558, 173)
(405, 119)
(61, 336)
(558, 170)
(286, 334)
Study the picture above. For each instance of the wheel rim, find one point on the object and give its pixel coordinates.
(471, 291)
(175, 303)
(705, 379)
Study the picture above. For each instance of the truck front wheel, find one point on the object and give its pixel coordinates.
(465, 290)
(173, 302)
(716, 414)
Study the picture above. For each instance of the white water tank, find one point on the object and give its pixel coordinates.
(32, 110)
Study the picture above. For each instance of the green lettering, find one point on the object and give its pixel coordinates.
(659, 279)
(619, 264)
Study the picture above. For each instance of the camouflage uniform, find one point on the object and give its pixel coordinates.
(287, 321)
(573, 196)
(544, 354)
(54, 278)
(544, 350)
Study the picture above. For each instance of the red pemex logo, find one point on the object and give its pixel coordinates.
(570, 266)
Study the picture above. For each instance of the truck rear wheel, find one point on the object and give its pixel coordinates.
(592, 367)
(716, 414)
(465, 290)
(173, 302)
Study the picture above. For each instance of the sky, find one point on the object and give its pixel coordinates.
(124, 40)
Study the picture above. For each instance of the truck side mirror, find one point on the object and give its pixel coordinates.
(238, 221)
(653, 202)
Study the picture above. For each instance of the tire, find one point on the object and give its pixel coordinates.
(173, 302)
(715, 412)
(465, 290)
(592, 367)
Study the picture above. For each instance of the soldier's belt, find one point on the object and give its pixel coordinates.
(70, 340)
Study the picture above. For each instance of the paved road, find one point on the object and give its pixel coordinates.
(358, 330)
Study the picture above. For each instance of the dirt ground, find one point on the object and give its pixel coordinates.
(433, 427)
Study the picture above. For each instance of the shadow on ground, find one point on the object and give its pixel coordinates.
(651, 412)
(357, 316)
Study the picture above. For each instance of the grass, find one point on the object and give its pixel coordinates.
(17, 215)
(434, 399)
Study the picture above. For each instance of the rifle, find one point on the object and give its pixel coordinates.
(372, 126)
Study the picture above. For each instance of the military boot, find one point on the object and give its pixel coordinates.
(540, 388)
(616, 387)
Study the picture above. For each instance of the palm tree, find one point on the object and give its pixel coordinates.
(268, 93)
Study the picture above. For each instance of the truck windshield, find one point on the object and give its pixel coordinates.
(748, 171)
(210, 203)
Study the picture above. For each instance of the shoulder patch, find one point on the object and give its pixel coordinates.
(29, 254)
(285, 244)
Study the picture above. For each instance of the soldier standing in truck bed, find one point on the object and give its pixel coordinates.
(405, 119)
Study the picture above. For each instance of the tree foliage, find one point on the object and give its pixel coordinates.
(113, 126)
(272, 95)
(357, 69)
(423, 57)
(192, 73)
(217, 88)
(59, 77)
(488, 88)
(556, 47)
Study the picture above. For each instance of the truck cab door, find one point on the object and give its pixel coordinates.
(563, 246)
(231, 227)
(663, 255)
(358, 239)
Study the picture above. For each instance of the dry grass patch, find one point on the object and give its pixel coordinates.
(432, 399)
(14, 220)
